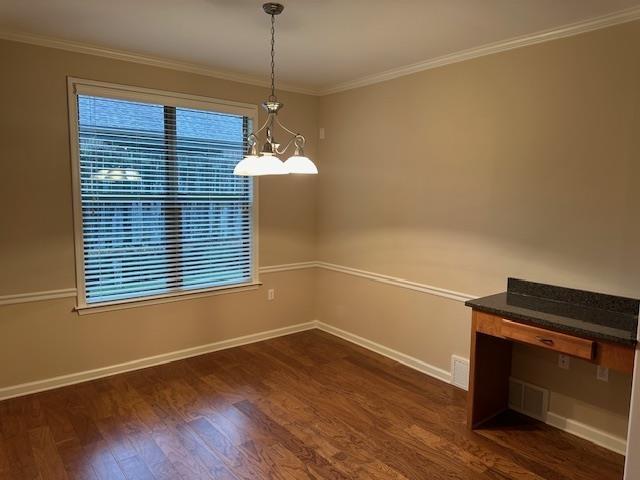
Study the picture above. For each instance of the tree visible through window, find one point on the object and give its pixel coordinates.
(161, 209)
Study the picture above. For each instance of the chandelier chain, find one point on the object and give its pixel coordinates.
(263, 160)
(272, 97)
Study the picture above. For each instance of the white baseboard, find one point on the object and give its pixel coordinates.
(73, 378)
(594, 435)
(568, 425)
(405, 359)
(79, 377)
(574, 427)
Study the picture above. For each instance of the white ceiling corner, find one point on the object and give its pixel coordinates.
(322, 46)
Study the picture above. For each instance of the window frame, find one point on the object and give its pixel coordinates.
(77, 86)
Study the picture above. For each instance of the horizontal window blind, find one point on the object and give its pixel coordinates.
(162, 211)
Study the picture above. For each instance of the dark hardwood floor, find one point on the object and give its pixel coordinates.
(307, 405)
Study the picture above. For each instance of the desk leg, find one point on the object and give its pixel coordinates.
(490, 368)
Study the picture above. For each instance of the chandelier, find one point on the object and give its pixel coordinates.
(263, 160)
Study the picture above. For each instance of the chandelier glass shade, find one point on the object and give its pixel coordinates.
(262, 158)
(300, 164)
(255, 166)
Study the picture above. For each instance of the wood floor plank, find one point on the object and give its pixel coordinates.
(276, 457)
(304, 406)
(242, 465)
(439, 420)
(54, 406)
(135, 469)
(186, 464)
(280, 405)
(360, 426)
(17, 448)
(103, 462)
(46, 455)
(8, 469)
(289, 441)
(148, 450)
(76, 461)
(194, 444)
(83, 424)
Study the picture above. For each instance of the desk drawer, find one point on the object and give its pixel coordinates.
(559, 342)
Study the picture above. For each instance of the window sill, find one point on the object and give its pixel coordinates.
(171, 297)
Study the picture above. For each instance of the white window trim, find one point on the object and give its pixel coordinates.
(76, 86)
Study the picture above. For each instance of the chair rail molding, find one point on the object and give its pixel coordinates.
(269, 269)
(398, 282)
(37, 296)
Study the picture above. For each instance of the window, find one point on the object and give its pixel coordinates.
(159, 209)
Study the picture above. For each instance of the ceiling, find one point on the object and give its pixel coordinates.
(320, 44)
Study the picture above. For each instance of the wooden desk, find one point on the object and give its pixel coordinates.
(490, 362)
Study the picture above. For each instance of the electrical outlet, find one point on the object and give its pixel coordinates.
(563, 361)
(602, 373)
(271, 294)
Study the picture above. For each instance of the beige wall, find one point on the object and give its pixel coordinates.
(423, 326)
(44, 339)
(521, 164)
(524, 163)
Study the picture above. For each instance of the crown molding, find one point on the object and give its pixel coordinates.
(576, 28)
(584, 26)
(153, 61)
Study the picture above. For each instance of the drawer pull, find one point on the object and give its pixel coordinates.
(557, 341)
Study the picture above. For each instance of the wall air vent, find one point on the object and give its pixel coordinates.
(460, 372)
(528, 399)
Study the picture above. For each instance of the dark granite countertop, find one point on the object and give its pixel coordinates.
(578, 312)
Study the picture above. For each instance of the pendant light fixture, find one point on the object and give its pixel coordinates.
(263, 160)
